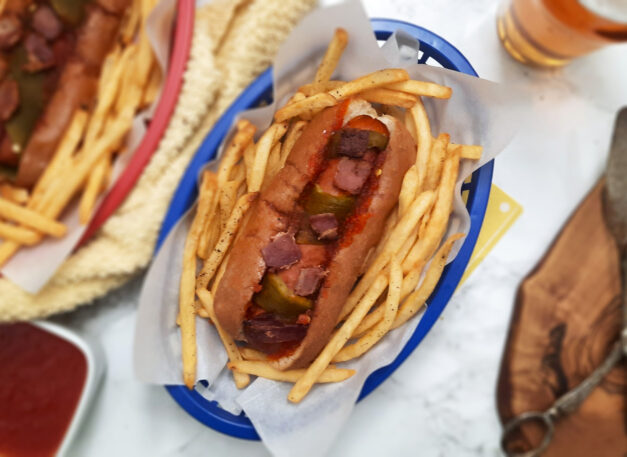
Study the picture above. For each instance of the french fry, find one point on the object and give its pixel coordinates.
(238, 180)
(316, 88)
(95, 185)
(467, 151)
(145, 56)
(144, 8)
(63, 153)
(391, 307)
(218, 276)
(109, 64)
(187, 314)
(131, 91)
(234, 151)
(211, 264)
(67, 183)
(411, 280)
(238, 174)
(135, 75)
(110, 87)
(293, 133)
(211, 233)
(315, 102)
(332, 56)
(408, 190)
(337, 341)
(377, 314)
(252, 354)
(422, 88)
(206, 299)
(263, 370)
(262, 152)
(30, 218)
(7, 250)
(131, 23)
(369, 321)
(249, 160)
(389, 97)
(409, 283)
(208, 199)
(227, 199)
(409, 242)
(376, 79)
(390, 223)
(297, 97)
(423, 133)
(152, 88)
(410, 125)
(201, 312)
(274, 164)
(438, 219)
(307, 114)
(208, 187)
(17, 195)
(398, 236)
(18, 234)
(436, 160)
(417, 299)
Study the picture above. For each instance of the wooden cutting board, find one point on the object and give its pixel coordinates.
(567, 316)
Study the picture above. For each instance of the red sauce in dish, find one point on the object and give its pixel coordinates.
(42, 377)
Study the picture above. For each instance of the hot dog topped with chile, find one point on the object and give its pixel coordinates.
(304, 244)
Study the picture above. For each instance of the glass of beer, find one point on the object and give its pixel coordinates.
(550, 33)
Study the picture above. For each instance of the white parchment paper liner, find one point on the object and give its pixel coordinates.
(480, 112)
(32, 267)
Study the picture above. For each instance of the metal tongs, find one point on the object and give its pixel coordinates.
(615, 213)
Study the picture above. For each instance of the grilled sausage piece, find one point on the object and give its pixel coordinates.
(77, 86)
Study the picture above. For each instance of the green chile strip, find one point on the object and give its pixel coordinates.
(275, 297)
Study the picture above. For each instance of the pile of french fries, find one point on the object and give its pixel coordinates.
(390, 290)
(129, 82)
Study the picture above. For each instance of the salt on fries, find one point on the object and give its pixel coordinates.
(412, 237)
(129, 82)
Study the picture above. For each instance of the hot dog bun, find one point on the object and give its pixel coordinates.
(271, 215)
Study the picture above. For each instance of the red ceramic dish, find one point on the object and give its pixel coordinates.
(179, 54)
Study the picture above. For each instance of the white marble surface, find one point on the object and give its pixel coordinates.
(441, 402)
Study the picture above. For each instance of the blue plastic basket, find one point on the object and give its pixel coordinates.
(432, 47)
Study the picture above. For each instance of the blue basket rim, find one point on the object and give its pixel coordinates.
(208, 412)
